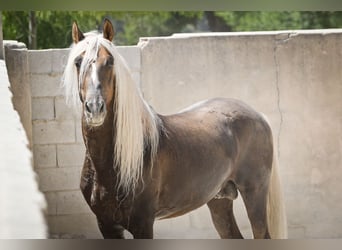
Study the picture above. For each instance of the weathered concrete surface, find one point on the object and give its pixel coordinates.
(21, 206)
(292, 77)
(17, 67)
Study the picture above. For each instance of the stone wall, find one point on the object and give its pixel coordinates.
(292, 77)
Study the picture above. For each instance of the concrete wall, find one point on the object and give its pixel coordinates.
(22, 205)
(292, 77)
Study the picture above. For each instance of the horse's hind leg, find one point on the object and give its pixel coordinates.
(221, 211)
(255, 199)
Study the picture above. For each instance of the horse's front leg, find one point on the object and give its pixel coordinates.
(110, 229)
(141, 227)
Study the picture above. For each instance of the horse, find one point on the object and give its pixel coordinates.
(141, 166)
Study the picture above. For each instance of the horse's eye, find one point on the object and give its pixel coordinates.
(78, 61)
(110, 61)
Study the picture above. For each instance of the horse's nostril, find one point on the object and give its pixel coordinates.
(101, 107)
(87, 107)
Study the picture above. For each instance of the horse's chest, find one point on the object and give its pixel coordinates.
(102, 200)
(100, 197)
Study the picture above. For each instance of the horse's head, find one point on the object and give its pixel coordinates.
(98, 77)
(96, 74)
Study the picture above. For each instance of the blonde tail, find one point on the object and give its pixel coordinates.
(276, 216)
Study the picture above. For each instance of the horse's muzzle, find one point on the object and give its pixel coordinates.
(95, 112)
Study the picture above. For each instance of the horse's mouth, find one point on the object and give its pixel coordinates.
(95, 121)
(95, 124)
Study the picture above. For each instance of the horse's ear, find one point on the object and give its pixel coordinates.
(108, 30)
(77, 34)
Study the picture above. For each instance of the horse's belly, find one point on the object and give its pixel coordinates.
(190, 191)
(186, 202)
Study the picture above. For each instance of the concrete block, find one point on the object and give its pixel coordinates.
(44, 156)
(43, 109)
(70, 154)
(59, 179)
(49, 132)
(51, 199)
(40, 61)
(132, 55)
(59, 60)
(77, 225)
(71, 202)
(46, 85)
(64, 112)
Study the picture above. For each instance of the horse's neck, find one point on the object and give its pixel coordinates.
(99, 142)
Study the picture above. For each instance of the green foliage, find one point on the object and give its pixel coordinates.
(54, 27)
(257, 21)
(133, 25)
(15, 26)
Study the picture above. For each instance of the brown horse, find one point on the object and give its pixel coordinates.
(141, 166)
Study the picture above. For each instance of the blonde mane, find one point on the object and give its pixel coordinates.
(136, 125)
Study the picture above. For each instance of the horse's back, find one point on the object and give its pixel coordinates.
(223, 106)
(227, 112)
